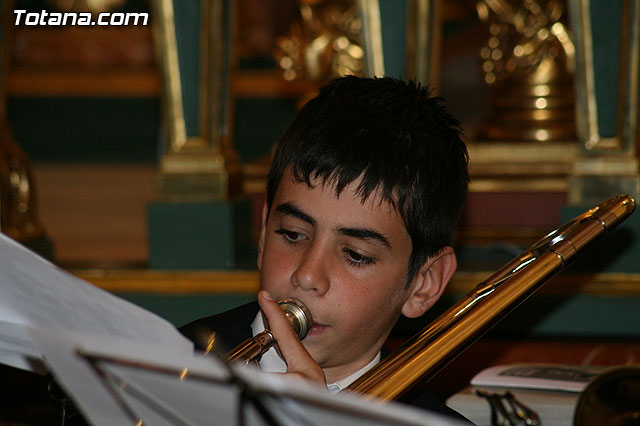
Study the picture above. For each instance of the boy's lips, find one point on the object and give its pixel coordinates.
(317, 329)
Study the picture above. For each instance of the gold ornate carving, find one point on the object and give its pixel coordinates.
(18, 212)
(528, 59)
(325, 43)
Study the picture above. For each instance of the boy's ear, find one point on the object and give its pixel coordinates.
(429, 283)
(263, 232)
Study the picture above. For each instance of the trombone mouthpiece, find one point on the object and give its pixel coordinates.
(298, 315)
(252, 349)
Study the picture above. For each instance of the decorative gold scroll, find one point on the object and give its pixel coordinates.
(333, 38)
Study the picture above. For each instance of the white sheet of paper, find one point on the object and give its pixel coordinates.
(149, 381)
(17, 349)
(154, 391)
(36, 293)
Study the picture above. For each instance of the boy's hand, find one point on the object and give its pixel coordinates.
(299, 362)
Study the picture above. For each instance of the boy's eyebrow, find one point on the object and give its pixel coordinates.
(365, 234)
(291, 210)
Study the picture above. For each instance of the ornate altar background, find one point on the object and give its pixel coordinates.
(95, 112)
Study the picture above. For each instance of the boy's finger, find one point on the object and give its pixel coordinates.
(278, 322)
(295, 355)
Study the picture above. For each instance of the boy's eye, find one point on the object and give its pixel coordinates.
(358, 259)
(290, 236)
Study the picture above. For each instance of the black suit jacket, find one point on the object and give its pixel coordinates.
(234, 326)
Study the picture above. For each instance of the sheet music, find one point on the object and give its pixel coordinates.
(141, 382)
(99, 401)
(34, 292)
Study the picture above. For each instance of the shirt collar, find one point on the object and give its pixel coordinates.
(272, 362)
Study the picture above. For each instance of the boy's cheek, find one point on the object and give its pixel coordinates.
(274, 276)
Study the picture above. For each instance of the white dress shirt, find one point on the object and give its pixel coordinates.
(272, 362)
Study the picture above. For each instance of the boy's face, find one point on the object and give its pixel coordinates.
(343, 258)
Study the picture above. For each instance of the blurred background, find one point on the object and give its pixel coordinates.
(136, 156)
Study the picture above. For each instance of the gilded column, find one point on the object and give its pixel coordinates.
(199, 162)
(607, 79)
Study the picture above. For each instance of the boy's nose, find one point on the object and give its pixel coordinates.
(311, 273)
